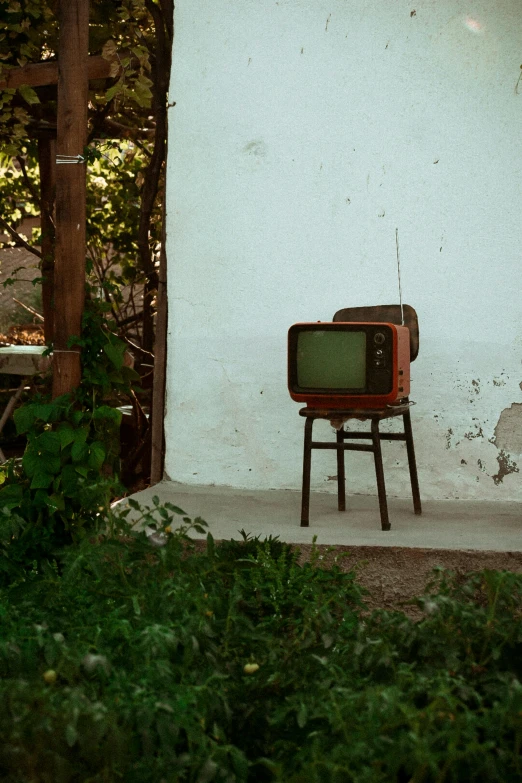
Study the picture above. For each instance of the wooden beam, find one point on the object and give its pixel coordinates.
(69, 270)
(46, 162)
(42, 74)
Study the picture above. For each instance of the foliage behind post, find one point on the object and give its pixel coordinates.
(135, 38)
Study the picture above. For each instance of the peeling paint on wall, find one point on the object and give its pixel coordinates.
(479, 433)
(505, 467)
(508, 439)
(508, 432)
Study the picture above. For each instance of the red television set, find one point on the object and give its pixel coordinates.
(346, 365)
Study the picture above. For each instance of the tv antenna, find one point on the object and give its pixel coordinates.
(399, 273)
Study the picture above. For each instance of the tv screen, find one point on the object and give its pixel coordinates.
(329, 359)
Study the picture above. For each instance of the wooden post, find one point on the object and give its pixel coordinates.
(160, 370)
(46, 162)
(69, 270)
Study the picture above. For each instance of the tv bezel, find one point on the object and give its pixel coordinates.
(370, 327)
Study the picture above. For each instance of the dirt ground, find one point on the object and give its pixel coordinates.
(395, 575)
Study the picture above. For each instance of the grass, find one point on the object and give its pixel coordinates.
(134, 658)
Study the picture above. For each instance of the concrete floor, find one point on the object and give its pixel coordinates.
(394, 567)
(444, 524)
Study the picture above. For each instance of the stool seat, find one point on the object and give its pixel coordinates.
(362, 414)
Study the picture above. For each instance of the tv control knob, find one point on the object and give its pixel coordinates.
(379, 352)
(379, 338)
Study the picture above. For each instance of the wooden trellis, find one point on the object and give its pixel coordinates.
(63, 266)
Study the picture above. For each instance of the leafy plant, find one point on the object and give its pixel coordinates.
(136, 655)
(68, 473)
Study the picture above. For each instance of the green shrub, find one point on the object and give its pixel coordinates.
(68, 473)
(134, 656)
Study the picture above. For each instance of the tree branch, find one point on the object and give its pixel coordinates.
(119, 130)
(16, 236)
(28, 184)
(131, 319)
(143, 148)
(29, 309)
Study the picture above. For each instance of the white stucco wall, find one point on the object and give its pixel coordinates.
(304, 133)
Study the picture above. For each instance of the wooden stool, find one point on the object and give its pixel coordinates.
(339, 417)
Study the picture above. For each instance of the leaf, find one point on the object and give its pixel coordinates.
(69, 481)
(34, 461)
(49, 442)
(42, 479)
(96, 456)
(327, 640)
(115, 354)
(76, 417)
(78, 451)
(24, 418)
(80, 435)
(130, 374)
(44, 411)
(112, 91)
(106, 412)
(115, 68)
(55, 501)
(71, 735)
(109, 49)
(11, 496)
(28, 94)
(174, 509)
(207, 771)
(141, 93)
(31, 461)
(66, 434)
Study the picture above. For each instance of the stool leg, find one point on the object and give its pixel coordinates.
(379, 472)
(412, 463)
(341, 497)
(307, 465)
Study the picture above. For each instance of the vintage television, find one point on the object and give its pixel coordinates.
(345, 365)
